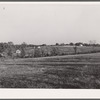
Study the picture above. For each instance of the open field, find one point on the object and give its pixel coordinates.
(80, 49)
(65, 50)
(71, 71)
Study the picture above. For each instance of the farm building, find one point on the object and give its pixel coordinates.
(38, 47)
(81, 45)
(18, 52)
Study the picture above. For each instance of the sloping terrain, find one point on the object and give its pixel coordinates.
(71, 71)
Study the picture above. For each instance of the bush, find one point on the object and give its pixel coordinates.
(54, 51)
(37, 52)
(22, 52)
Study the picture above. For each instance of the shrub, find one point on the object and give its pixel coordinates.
(54, 51)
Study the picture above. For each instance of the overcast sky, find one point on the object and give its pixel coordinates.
(49, 23)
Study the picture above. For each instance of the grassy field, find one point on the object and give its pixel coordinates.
(67, 50)
(70, 71)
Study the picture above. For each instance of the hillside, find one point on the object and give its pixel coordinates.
(71, 71)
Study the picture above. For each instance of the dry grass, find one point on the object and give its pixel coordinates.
(73, 71)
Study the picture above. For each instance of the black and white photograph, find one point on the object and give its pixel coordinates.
(49, 45)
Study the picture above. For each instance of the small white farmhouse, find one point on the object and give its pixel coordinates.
(18, 51)
(81, 45)
(38, 47)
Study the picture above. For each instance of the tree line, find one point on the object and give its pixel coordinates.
(9, 49)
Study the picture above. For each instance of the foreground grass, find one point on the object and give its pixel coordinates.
(75, 71)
